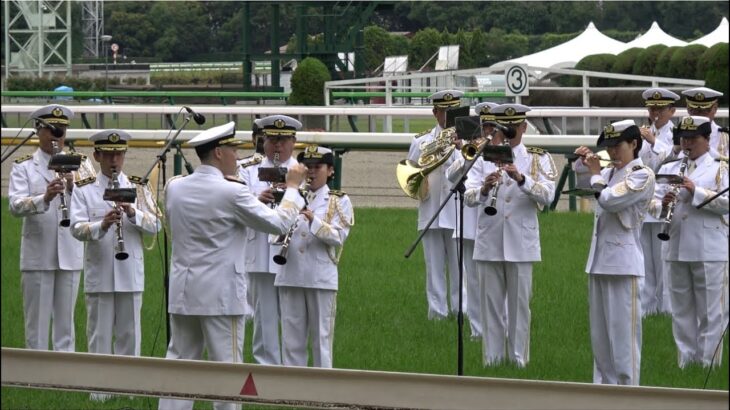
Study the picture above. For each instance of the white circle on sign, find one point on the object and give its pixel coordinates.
(517, 80)
(115, 47)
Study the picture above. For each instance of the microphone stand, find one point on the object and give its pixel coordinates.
(459, 188)
(160, 160)
(15, 148)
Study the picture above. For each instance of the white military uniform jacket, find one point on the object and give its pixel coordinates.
(315, 248)
(453, 174)
(44, 244)
(102, 271)
(719, 144)
(208, 216)
(513, 234)
(653, 157)
(438, 187)
(697, 234)
(619, 213)
(259, 252)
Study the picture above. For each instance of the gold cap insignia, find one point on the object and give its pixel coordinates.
(448, 97)
(114, 138)
(657, 95)
(688, 123)
(279, 124)
(509, 111)
(485, 110)
(57, 112)
(311, 151)
(700, 97)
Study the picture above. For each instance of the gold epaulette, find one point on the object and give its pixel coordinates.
(85, 181)
(536, 150)
(638, 167)
(337, 192)
(251, 160)
(135, 180)
(23, 158)
(718, 159)
(235, 179)
(422, 133)
(83, 157)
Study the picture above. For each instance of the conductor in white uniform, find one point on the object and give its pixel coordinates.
(208, 213)
(615, 261)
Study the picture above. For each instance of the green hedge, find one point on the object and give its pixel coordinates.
(307, 83)
(713, 66)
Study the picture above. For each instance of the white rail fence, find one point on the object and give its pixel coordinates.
(327, 388)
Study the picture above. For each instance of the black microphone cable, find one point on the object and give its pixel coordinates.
(11, 144)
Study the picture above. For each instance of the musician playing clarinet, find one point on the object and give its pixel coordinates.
(696, 251)
(307, 283)
(113, 285)
(508, 237)
(615, 261)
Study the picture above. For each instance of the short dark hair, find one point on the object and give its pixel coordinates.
(204, 150)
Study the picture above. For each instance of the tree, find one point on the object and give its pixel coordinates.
(624, 64)
(663, 67)
(646, 61)
(423, 45)
(307, 82)
(714, 65)
(683, 63)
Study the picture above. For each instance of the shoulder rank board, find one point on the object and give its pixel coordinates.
(235, 179)
(536, 150)
(85, 181)
(23, 158)
(337, 192)
(135, 180)
(252, 160)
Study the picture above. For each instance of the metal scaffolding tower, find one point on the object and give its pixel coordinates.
(92, 19)
(37, 37)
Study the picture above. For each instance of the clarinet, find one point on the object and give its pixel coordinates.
(284, 240)
(668, 211)
(65, 219)
(120, 254)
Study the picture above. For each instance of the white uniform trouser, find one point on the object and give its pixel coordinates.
(266, 317)
(615, 319)
(222, 336)
(50, 295)
(697, 325)
(510, 281)
(307, 312)
(114, 317)
(439, 250)
(471, 285)
(655, 287)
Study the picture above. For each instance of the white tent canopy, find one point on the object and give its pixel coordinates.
(654, 36)
(720, 35)
(566, 55)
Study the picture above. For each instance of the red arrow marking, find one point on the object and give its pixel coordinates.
(249, 387)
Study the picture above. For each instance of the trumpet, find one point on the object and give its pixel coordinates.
(667, 211)
(285, 240)
(120, 253)
(471, 149)
(65, 219)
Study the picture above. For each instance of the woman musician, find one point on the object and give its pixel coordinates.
(307, 283)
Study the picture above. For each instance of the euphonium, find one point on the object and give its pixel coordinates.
(433, 153)
(65, 219)
(120, 254)
(668, 211)
(284, 240)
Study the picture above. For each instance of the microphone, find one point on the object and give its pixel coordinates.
(56, 131)
(508, 132)
(199, 118)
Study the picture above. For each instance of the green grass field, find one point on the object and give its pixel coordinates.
(381, 320)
